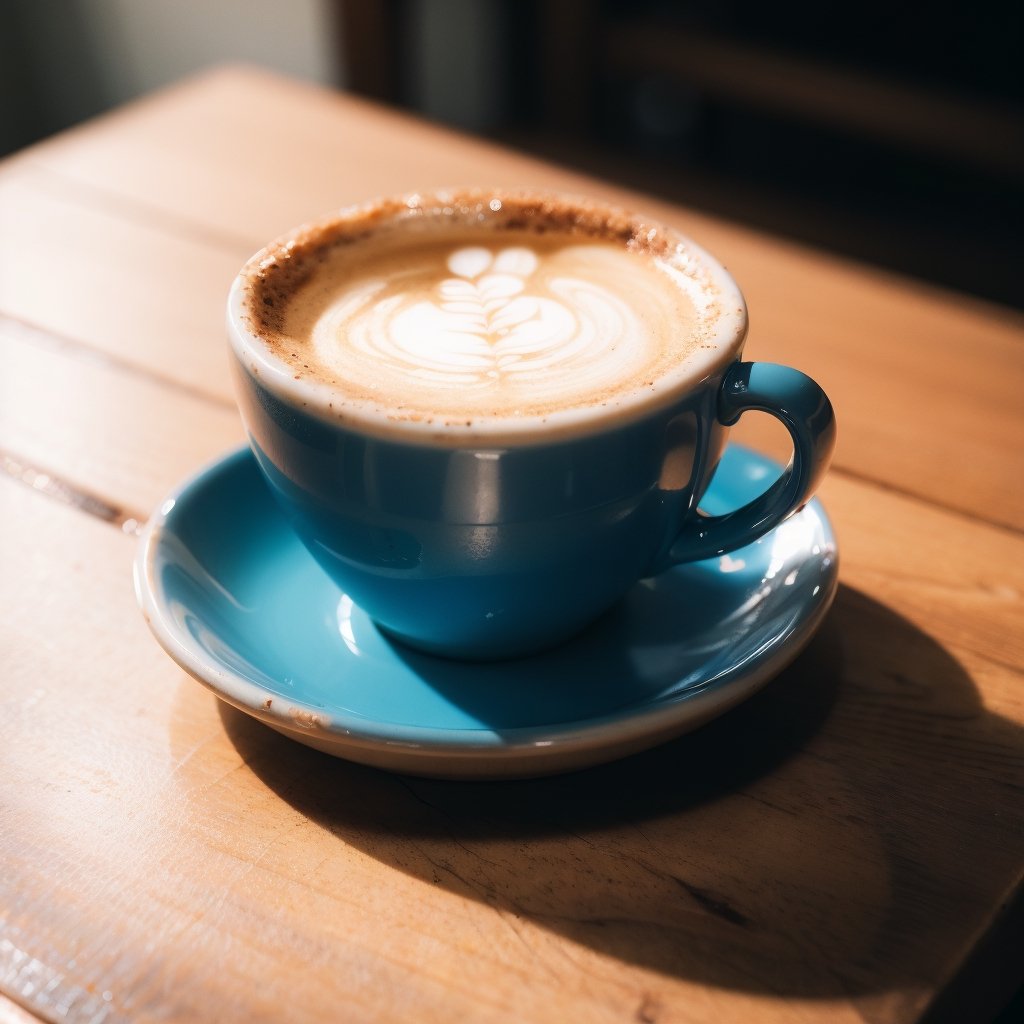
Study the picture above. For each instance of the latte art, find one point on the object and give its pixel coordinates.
(498, 324)
(512, 324)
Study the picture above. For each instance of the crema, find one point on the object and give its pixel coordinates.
(493, 311)
(513, 325)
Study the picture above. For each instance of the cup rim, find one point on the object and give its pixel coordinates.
(725, 312)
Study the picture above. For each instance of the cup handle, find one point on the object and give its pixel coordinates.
(796, 400)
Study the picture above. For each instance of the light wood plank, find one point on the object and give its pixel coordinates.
(820, 854)
(208, 155)
(128, 879)
(130, 290)
(101, 426)
(153, 869)
(320, 843)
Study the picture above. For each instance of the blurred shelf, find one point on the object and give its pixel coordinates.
(866, 130)
(978, 131)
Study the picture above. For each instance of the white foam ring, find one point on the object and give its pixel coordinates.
(506, 325)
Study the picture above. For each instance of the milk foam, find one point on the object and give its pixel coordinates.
(507, 324)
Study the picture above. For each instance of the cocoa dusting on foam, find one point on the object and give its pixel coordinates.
(497, 242)
(277, 271)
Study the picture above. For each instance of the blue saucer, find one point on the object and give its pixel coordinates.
(233, 597)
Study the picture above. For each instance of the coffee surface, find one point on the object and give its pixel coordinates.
(509, 323)
(491, 314)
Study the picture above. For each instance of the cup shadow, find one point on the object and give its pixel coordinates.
(631, 655)
(816, 841)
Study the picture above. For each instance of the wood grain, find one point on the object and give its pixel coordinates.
(690, 880)
(134, 292)
(821, 844)
(102, 426)
(834, 850)
(234, 158)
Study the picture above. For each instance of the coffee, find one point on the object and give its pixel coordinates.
(473, 308)
(488, 415)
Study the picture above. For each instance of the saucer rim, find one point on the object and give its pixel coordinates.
(635, 726)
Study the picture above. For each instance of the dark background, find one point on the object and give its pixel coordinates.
(884, 131)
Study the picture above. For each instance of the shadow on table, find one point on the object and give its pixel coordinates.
(822, 840)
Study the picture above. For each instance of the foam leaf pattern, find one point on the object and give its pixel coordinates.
(484, 323)
(500, 327)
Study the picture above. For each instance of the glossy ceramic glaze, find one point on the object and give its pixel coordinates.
(488, 552)
(236, 599)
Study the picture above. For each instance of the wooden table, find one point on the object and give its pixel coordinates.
(848, 846)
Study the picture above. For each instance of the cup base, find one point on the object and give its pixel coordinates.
(487, 652)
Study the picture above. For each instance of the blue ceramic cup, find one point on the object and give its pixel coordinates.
(497, 538)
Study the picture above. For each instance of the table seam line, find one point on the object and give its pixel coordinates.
(44, 337)
(68, 493)
(124, 207)
(863, 478)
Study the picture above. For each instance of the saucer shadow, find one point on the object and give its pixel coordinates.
(777, 849)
